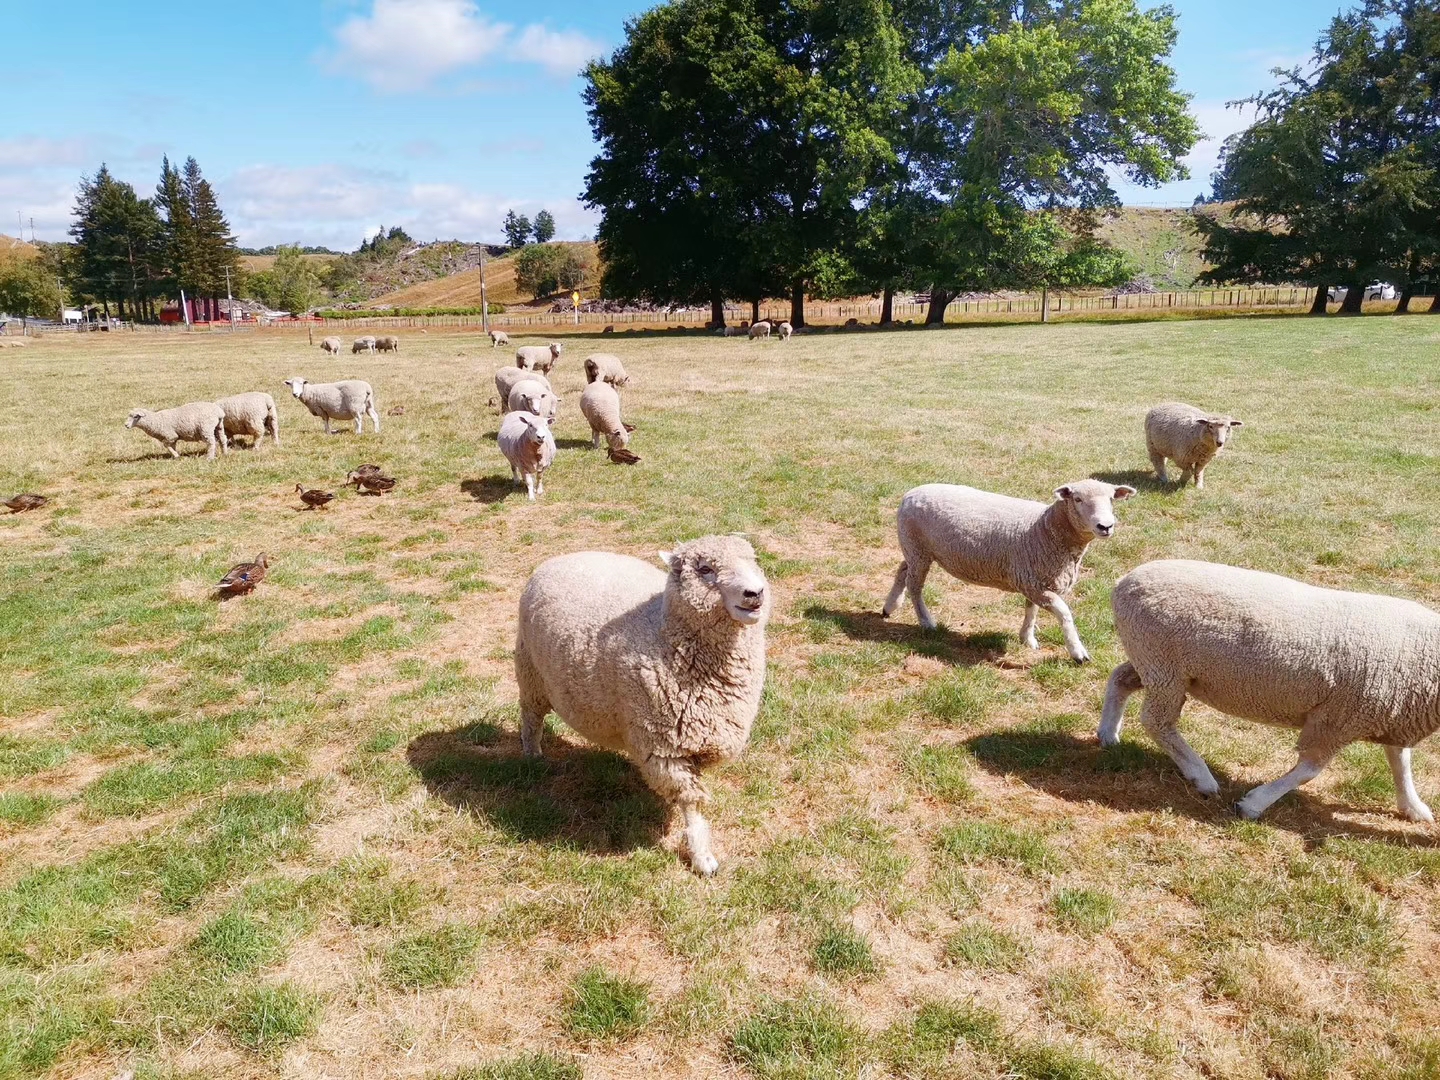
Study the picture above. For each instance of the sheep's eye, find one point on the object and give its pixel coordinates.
(705, 571)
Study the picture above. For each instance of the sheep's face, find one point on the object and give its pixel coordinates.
(1217, 428)
(134, 417)
(720, 572)
(618, 440)
(297, 386)
(1091, 504)
(537, 431)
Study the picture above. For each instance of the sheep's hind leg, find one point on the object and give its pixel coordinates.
(917, 571)
(1316, 746)
(1061, 610)
(1027, 626)
(1161, 716)
(374, 417)
(1411, 805)
(1157, 459)
(897, 592)
(360, 425)
(1124, 681)
(533, 703)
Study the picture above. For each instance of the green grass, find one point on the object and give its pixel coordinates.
(430, 958)
(985, 948)
(522, 1067)
(269, 1018)
(606, 1008)
(1086, 910)
(844, 951)
(807, 1038)
(26, 808)
(993, 842)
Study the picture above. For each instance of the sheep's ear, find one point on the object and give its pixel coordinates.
(1202, 420)
(1237, 423)
(1124, 491)
(1064, 492)
(666, 557)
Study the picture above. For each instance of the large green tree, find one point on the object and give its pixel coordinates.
(117, 258)
(196, 241)
(28, 287)
(290, 284)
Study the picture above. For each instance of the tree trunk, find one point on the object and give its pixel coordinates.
(1402, 306)
(887, 306)
(797, 304)
(717, 311)
(939, 301)
(754, 312)
(1044, 303)
(1322, 298)
(1354, 297)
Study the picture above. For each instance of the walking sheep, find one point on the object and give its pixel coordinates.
(199, 421)
(1015, 545)
(534, 396)
(528, 446)
(507, 378)
(1186, 436)
(606, 368)
(539, 358)
(331, 345)
(665, 667)
(498, 338)
(760, 330)
(252, 414)
(363, 344)
(601, 406)
(1340, 666)
(391, 343)
(349, 399)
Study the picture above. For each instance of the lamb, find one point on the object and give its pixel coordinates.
(251, 414)
(601, 406)
(784, 330)
(539, 358)
(507, 378)
(528, 446)
(534, 396)
(760, 330)
(199, 421)
(1340, 666)
(1011, 544)
(498, 338)
(363, 344)
(606, 368)
(331, 345)
(349, 399)
(391, 343)
(665, 667)
(1186, 436)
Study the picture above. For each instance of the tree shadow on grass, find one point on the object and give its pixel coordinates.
(574, 796)
(1139, 479)
(968, 649)
(1135, 777)
(490, 489)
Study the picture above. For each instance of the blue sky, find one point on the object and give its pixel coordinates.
(319, 121)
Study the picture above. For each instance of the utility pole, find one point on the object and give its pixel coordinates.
(484, 297)
(229, 300)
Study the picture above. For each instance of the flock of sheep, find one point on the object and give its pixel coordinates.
(667, 664)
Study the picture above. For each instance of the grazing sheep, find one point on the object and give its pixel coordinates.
(534, 396)
(507, 378)
(251, 414)
(498, 338)
(332, 345)
(199, 421)
(539, 358)
(784, 330)
(666, 668)
(349, 399)
(528, 446)
(734, 331)
(1186, 436)
(363, 344)
(606, 368)
(390, 343)
(760, 330)
(1340, 666)
(1011, 544)
(610, 329)
(601, 406)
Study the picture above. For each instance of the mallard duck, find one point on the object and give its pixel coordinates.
(398, 410)
(25, 501)
(621, 456)
(362, 470)
(371, 483)
(627, 427)
(243, 577)
(314, 498)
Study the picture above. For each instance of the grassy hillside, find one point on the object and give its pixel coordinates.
(463, 289)
(1161, 240)
(255, 263)
(9, 245)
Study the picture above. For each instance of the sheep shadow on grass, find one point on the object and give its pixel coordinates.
(572, 444)
(1139, 479)
(574, 796)
(1135, 777)
(491, 489)
(941, 643)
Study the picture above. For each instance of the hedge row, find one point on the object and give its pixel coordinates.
(381, 313)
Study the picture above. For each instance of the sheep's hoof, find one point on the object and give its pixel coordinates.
(1420, 812)
(1243, 811)
(1083, 658)
(704, 865)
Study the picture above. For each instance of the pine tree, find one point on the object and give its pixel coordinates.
(544, 227)
(177, 238)
(214, 246)
(116, 234)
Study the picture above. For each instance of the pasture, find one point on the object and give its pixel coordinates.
(292, 834)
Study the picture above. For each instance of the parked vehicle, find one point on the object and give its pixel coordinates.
(1376, 290)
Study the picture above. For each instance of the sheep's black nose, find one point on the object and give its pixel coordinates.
(754, 594)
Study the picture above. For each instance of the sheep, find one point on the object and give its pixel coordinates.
(601, 406)
(1340, 666)
(1015, 545)
(349, 399)
(734, 331)
(760, 330)
(251, 414)
(498, 338)
(363, 344)
(606, 368)
(539, 358)
(534, 396)
(331, 345)
(199, 421)
(528, 446)
(784, 330)
(391, 343)
(507, 378)
(664, 666)
(1186, 436)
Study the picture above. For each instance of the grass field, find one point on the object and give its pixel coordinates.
(293, 835)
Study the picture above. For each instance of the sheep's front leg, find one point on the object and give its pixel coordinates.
(697, 839)
(678, 782)
(530, 485)
(1061, 610)
(1185, 475)
(1411, 805)
(1027, 627)
(1200, 478)
(594, 440)
(176, 453)
(210, 448)
(326, 417)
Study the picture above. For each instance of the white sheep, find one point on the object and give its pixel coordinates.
(784, 330)
(539, 358)
(1015, 545)
(666, 668)
(332, 345)
(1340, 666)
(534, 396)
(528, 446)
(498, 338)
(390, 343)
(348, 399)
(507, 378)
(363, 344)
(252, 414)
(1186, 436)
(607, 368)
(760, 329)
(199, 421)
(733, 331)
(601, 406)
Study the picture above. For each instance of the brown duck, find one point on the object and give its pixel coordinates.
(25, 501)
(362, 470)
(621, 456)
(374, 483)
(243, 577)
(314, 498)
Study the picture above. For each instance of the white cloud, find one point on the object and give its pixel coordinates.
(561, 52)
(407, 44)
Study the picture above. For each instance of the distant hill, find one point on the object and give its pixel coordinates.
(255, 263)
(11, 246)
(1162, 242)
(462, 289)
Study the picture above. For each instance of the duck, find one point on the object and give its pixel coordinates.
(25, 501)
(398, 410)
(314, 498)
(371, 483)
(362, 470)
(621, 456)
(243, 577)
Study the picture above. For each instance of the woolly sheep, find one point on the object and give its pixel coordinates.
(331, 345)
(507, 378)
(534, 396)
(733, 331)
(528, 446)
(1015, 545)
(498, 338)
(363, 344)
(390, 343)
(1340, 666)
(251, 414)
(760, 330)
(1186, 436)
(539, 358)
(606, 368)
(601, 406)
(199, 421)
(784, 329)
(665, 667)
(349, 399)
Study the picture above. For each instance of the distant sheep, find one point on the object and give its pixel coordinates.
(349, 399)
(363, 344)
(331, 345)
(528, 446)
(541, 358)
(1187, 436)
(251, 414)
(760, 330)
(390, 343)
(498, 338)
(199, 421)
(784, 330)
(606, 368)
